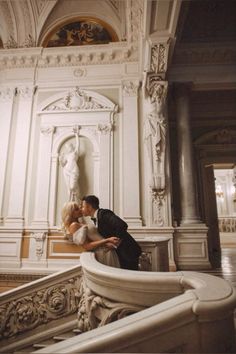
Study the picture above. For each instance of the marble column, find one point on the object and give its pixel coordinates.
(130, 156)
(187, 170)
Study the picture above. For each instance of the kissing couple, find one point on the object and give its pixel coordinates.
(106, 233)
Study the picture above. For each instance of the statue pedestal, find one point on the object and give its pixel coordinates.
(154, 255)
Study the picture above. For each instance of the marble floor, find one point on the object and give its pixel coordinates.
(228, 269)
(228, 265)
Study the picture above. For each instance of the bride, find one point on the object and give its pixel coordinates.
(87, 236)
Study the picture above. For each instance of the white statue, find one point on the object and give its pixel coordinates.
(70, 167)
(154, 91)
(155, 131)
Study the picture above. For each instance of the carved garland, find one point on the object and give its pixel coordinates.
(39, 308)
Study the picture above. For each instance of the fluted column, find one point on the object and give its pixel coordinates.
(188, 197)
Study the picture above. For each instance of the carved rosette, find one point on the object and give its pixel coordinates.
(130, 88)
(96, 311)
(40, 307)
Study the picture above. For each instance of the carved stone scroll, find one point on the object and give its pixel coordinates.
(96, 311)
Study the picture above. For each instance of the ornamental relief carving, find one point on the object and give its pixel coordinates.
(135, 19)
(130, 88)
(159, 54)
(76, 100)
(96, 311)
(117, 53)
(40, 307)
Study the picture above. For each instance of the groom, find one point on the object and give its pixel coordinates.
(109, 224)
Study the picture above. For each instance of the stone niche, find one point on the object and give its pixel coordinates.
(91, 115)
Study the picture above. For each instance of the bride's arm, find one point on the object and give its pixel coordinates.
(88, 246)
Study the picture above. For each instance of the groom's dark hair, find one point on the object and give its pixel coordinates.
(92, 200)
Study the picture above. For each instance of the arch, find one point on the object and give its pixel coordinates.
(79, 31)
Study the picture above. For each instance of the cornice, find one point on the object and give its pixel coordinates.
(205, 54)
(112, 53)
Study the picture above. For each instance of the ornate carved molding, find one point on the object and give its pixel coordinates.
(204, 55)
(40, 307)
(115, 53)
(76, 100)
(96, 311)
(135, 15)
(159, 56)
(130, 88)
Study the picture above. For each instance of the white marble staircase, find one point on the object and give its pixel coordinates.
(124, 311)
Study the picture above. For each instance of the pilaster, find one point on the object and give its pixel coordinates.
(131, 189)
(6, 108)
(15, 213)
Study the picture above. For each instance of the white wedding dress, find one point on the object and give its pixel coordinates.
(88, 233)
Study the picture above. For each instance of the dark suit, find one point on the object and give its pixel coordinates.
(109, 224)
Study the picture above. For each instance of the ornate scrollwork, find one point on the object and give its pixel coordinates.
(76, 100)
(96, 311)
(40, 307)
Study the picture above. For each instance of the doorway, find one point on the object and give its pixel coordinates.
(225, 190)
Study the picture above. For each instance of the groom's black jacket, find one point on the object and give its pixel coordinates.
(109, 225)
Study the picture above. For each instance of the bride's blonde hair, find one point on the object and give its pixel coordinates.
(67, 214)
